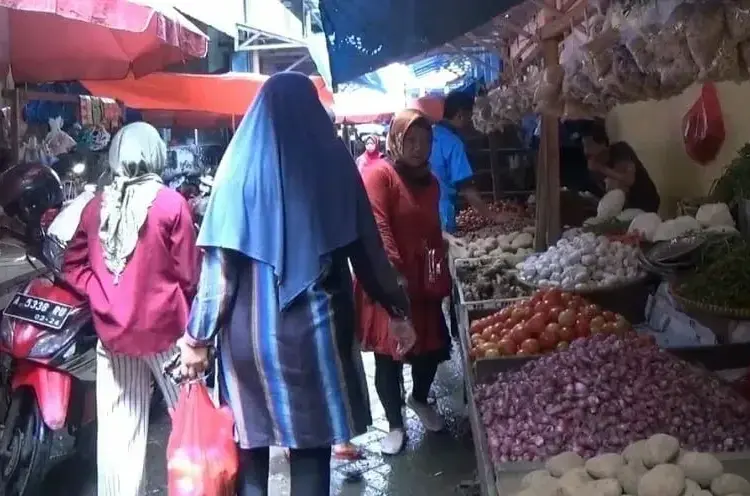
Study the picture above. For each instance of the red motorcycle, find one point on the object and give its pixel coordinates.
(47, 332)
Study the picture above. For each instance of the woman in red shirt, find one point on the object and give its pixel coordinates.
(404, 197)
(371, 154)
(134, 257)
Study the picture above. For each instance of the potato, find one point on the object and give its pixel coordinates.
(602, 487)
(700, 467)
(692, 488)
(660, 449)
(559, 464)
(629, 476)
(662, 480)
(573, 480)
(532, 477)
(604, 466)
(635, 451)
(727, 484)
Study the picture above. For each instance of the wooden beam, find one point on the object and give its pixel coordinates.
(555, 28)
(557, 13)
(548, 167)
(517, 29)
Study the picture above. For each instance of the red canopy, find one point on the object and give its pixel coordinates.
(59, 40)
(191, 100)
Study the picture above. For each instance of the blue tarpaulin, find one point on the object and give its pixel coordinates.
(364, 35)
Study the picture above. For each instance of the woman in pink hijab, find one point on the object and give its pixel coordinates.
(372, 153)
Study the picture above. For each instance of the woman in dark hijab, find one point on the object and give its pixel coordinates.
(287, 212)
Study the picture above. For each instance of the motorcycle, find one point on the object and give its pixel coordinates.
(47, 334)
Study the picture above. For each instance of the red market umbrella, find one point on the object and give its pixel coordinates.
(60, 40)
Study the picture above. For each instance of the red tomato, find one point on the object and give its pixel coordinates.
(492, 352)
(476, 327)
(519, 334)
(597, 325)
(535, 325)
(553, 326)
(531, 346)
(565, 298)
(512, 321)
(487, 333)
(609, 316)
(566, 334)
(519, 313)
(554, 313)
(508, 346)
(553, 297)
(582, 328)
(566, 318)
(536, 298)
(542, 307)
(504, 314)
(548, 340)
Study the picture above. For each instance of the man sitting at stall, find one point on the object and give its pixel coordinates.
(617, 166)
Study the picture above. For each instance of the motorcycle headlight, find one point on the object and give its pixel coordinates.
(51, 342)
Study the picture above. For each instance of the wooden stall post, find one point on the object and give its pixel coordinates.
(548, 167)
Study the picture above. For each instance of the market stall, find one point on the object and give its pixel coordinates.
(625, 324)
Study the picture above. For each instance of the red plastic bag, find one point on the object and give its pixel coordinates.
(703, 126)
(201, 454)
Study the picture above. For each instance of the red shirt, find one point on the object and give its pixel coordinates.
(407, 218)
(147, 311)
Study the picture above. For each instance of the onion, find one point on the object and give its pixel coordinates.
(604, 393)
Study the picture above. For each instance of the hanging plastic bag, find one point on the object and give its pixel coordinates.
(676, 65)
(703, 126)
(201, 454)
(57, 140)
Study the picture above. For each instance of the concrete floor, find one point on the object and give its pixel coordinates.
(432, 465)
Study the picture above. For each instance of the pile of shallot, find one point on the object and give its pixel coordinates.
(604, 393)
(469, 220)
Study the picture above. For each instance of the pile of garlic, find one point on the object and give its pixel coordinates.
(581, 262)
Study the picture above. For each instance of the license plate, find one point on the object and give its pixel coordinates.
(39, 311)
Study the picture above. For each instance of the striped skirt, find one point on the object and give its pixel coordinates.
(290, 377)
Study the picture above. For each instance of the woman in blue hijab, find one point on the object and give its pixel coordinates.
(287, 213)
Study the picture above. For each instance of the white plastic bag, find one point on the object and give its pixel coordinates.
(646, 224)
(675, 228)
(629, 214)
(57, 140)
(66, 222)
(611, 204)
(714, 214)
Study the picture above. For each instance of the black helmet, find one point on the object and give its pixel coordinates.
(27, 191)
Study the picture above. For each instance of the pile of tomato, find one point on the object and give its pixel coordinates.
(550, 320)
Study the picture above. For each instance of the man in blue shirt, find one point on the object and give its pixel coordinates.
(450, 164)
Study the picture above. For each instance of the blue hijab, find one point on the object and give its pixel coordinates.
(286, 192)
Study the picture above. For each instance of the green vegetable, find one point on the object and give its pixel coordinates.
(734, 183)
(722, 276)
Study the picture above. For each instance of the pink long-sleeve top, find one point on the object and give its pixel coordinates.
(147, 311)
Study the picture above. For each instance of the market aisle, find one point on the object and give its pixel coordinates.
(432, 466)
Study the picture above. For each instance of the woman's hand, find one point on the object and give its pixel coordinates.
(403, 331)
(193, 360)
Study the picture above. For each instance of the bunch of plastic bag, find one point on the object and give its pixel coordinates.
(57, 140)
(201, 454)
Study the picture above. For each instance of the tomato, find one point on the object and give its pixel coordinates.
(582, 328)
(508, 346)
(609, 328)
(541, 307)
(536, 298)
(565, 298)
(519, 313)
(519, 334)
(522, 353)
(597, 325)
(487, 333)
(504, 314)
(492, 352)
(591, 311)
(621, 326)
(562, 345)
(536, 324)
(512, 322)
(553, 297)
(566, 318)
(567, 333)
(554, 313)
(531, 346)
(474, 353)
(609, 316)
(476, 339)
(548, 339)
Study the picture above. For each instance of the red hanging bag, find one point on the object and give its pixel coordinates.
(201, 454)
(703, 126)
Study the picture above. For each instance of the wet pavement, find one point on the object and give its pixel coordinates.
(431, 465)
